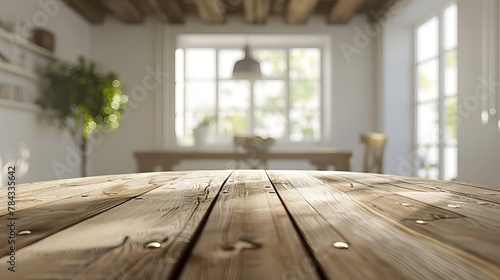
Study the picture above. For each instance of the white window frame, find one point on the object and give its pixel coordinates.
(318, 41)
(441, 145)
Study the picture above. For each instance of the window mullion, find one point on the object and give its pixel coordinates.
(216, 114)
(252, 108)
(184, 81)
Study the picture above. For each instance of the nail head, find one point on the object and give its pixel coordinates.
(340, 245)
(153, 245)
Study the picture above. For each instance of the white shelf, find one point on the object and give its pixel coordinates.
(16, 70)
(25, 43)
(19, 105)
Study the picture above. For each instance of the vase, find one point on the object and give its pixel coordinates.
(200, 135)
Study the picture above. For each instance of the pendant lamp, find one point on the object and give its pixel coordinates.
(247, 68)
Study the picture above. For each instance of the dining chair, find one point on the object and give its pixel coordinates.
(374, 151)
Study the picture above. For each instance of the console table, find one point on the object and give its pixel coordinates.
(167, 159)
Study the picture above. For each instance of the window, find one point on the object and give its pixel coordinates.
(284, 104)
(436, 95)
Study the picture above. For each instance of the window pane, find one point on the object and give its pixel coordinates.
(179, 65)
(450, 163)
(270, 94)
(234, 94)
(200, 64)
(450, 107)
(427, 123)
(428, 78)
(234, 122)
(428, 162)
(450, 73)
(304, 64)
(179, 97)
(227, 58)
(304, 125)
(272, 62)
(305, 94)
(450, 27)
(200, 96)
(179, 128)
(427, 39)
(270, 123)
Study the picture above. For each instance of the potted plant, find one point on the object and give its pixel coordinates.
(82, 100)
(200, 133)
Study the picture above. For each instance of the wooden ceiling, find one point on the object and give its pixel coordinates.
(215, 11)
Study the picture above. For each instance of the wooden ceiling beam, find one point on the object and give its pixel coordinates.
(343, 10)
(211, 11)
(152, 7)
(173, 9)
(256, 11)
(379, 13)
(278, 7)
(125, 10)
(298, 11)
(90, 10)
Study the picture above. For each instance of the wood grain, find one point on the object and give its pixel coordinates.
(255, 225)
(299, 11)
(478, 192)
(248, 235)
(477, 230)
(343, 10)
(380, 246)
(54, 216)
(35, 194)
(256, 11)
(92, 248)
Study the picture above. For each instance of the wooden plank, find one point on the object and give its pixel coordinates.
(378, 14)
(173, 10)
(90, 10)
(35, 194)
(366, 181)
(31, 195)
(248, 235)
(211, 11)
(49, 218)
(463, 233)
(151, 7)
(343, 10)
(298, 11)
(380, 246)
(256, 11)
(476, 231)
(474, 191)
(112, 245)
(125, 10)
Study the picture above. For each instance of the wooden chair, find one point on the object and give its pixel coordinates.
(374, 151)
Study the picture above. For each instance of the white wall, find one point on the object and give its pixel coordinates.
(22, 130)
(127, 50)
(130, 49)
(478, 144)
(396, 100)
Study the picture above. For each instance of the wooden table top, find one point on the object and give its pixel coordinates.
(252, 224)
